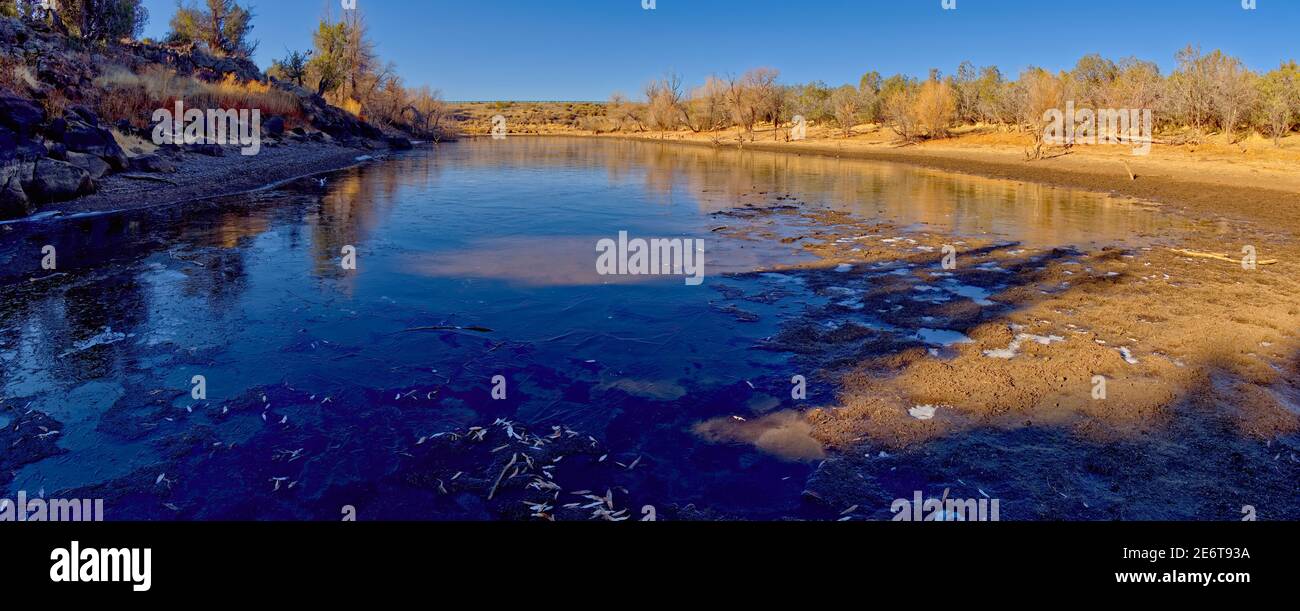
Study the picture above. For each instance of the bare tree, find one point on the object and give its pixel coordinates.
(707, 109)
(748, 97)
(1232, 92)
(1040, 94)
(1279, 100)
(847, 103)
(1188, 91)
(897, 97)
(664, 103)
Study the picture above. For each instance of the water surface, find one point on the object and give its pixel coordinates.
(493, 243)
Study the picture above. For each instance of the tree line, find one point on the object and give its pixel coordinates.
(1206, 93)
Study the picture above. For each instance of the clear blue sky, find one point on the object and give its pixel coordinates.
(586, 49)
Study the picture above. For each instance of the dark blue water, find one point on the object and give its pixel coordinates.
(475, 260)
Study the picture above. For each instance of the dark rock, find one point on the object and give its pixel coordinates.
(400, 143)
(55, 181)
(81, 137)
(125, 127)
(298, 131)
(211, 150)
(369, 131)
(173, 151)
(56, 129)
(274, 127)
(13, 201)
(93, 165)
(57, 151)
(30, 150)
(8, 144)
(152, 163)
(85, 114)
(21, 116)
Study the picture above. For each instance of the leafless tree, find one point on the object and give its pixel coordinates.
(1232, 93)
(847, 103)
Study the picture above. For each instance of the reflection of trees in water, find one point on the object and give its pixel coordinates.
(358, 203)
(723, 178)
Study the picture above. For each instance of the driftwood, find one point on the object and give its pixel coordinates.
(1219, 257)
(493, 491)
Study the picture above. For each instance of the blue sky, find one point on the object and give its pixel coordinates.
(586, 49)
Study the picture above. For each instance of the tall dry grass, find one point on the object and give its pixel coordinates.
(135, 96)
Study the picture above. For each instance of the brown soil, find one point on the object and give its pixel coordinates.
(1199, 357)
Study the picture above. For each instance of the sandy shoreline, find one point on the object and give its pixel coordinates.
(1209, 187)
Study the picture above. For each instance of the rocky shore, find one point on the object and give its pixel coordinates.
(58, 154)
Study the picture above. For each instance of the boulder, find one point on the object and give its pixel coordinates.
(93, 165)
(55, 181)
(22, 116)
(8, 144)
(211, 150)
(152, 163)
(30, 150)
(85, 114)
(400, 143)
(274, 127)
(82, 137)
(56, 129)
(13, 201)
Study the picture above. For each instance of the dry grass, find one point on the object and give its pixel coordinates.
(352, 106)
(15, 76)
(131, 96)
